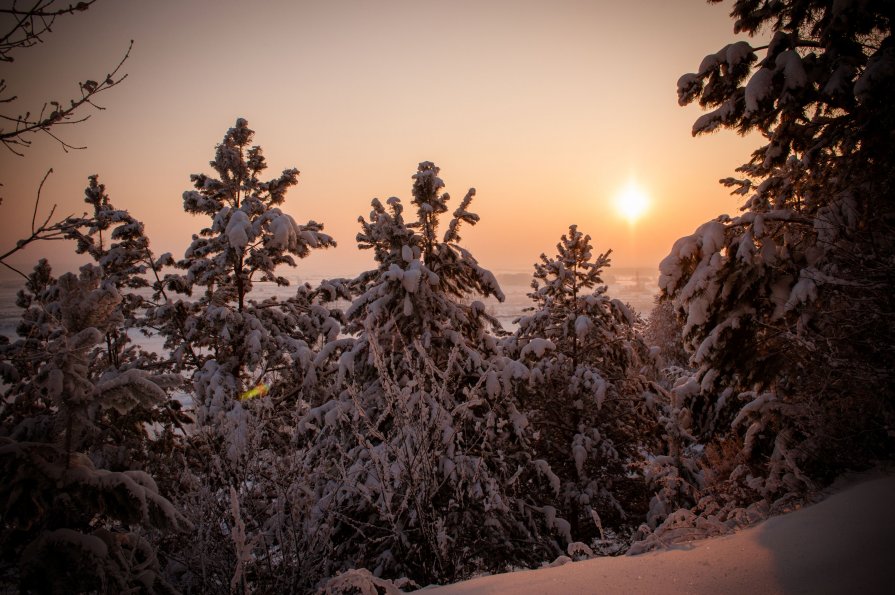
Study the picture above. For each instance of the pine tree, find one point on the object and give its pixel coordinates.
(68, 520)
(421, 278)
(242, 468)
(121, 255)
(585, 396)
(229, 341)
(417, 465)
(116, 242)
(784, 304)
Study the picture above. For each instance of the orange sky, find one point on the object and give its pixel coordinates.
(547, 108)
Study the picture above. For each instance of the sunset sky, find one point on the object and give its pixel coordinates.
(548, 109)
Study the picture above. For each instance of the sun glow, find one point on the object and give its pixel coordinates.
(631, 202)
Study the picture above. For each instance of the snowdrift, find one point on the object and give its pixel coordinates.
(843, 544)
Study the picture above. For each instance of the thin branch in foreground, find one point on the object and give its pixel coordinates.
(53, 113)
(58, 230)
(37, 200)
(30, 24)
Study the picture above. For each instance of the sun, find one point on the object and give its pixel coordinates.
(631, 202)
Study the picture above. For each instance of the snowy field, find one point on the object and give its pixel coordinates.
(637, 287)
(843, 544)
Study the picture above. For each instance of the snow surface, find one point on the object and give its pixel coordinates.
(843, 544)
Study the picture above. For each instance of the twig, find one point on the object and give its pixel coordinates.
(14, 269)
(45, 231)
(37, 201)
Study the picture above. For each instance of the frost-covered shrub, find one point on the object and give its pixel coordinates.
(247, 513)
(427, 478)
(584, 394)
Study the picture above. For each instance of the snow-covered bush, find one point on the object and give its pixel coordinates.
(585, 395)
(247, 513)
(787, 304)
(429, 478)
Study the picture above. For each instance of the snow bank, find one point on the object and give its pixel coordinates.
(843, 544)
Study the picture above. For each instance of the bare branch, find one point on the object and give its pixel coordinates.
(37, 200)
(58, 230)
(30, 24)
(14, 269)
(65, 146)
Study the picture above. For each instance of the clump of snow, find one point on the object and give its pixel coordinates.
(544, 469)
(238, 229)
(790, 63)
(538, 347)
(758, 89)
(583, 325)
(880, 70)
(285, 231)
(738, 52)
(803, 291)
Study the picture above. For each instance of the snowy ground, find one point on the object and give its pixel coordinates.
(844, 544)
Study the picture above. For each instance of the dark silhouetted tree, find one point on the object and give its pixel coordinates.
(786, 304)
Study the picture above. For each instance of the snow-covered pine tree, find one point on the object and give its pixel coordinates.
(585, 396)
(423, 278)
(231, 342)
(788, 303)
(419, 466)
(242, 465)
(69, 522)
(116, 242)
